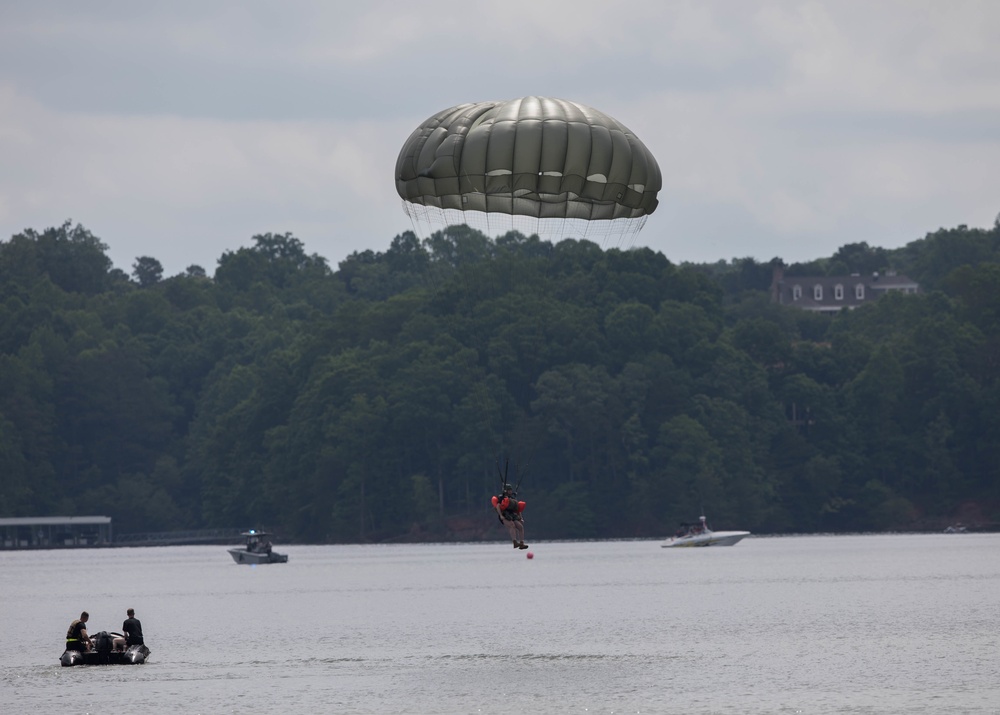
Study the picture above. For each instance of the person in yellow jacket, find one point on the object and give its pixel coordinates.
(77, 637)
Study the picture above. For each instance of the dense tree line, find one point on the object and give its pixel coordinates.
(372, 402)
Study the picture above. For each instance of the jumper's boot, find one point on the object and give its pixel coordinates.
(521, 545)
(517, 545)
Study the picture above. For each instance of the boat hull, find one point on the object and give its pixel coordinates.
(135, 655)
(712, 538)
(242, 556)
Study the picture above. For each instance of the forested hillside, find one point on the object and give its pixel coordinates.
(371, 402)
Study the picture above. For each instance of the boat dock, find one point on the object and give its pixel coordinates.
(79, 532)
(55, 532)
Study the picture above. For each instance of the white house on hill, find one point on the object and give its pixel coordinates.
(830, 294)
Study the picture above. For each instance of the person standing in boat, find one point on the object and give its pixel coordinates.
(132, 629)
(509, 510)
(77, 637)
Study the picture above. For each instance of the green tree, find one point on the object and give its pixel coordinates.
(73, 259)
(147, 271)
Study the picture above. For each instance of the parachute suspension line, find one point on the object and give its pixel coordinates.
(506, 287)
(607, 233)
(481, 287)
(505, 474)
(519, 472)
(617, 233)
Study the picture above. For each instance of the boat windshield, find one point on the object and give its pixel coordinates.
(692, 529)
(258, 541)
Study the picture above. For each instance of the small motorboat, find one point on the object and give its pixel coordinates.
(103, 653)
(698, 534)
(257, 550)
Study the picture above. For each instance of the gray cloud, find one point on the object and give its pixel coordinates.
(783, 128)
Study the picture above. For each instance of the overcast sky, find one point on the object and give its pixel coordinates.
(180, 129)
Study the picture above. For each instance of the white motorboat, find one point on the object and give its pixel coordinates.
(698, 534)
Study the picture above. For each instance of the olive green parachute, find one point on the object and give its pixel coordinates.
(532, 157)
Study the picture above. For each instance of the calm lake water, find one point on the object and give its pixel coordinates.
(849, 624)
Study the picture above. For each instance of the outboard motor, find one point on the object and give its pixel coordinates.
(103, 642)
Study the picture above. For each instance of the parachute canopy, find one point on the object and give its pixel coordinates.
(535, 157)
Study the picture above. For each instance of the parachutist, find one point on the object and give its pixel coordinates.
(537, 166)
(509, 509)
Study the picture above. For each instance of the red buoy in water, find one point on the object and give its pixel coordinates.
(531, 555)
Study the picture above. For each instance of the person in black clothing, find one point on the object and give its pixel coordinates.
(77, 637)
(132, 629)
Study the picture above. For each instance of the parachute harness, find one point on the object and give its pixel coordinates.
(505, 485)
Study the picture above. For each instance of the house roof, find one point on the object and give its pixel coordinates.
(891, 281)
(54, 520)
